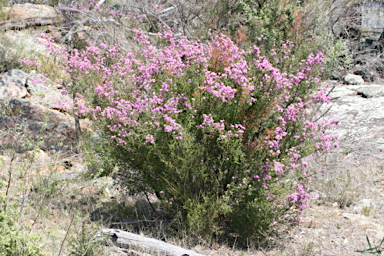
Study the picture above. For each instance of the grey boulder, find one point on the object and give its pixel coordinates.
(353, 79)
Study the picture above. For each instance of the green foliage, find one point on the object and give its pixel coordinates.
(201, 172)
(337, 59)
(274, 19)
(96, 153)
(3, 14)
(47, 188)
(15, 241)
(83, 242)
(203, 216)
(373, 250)
(278, 21)
(366, 211)
(304, 23)
(249, 214)
(78, 43)
(196, 176)
(9, 54)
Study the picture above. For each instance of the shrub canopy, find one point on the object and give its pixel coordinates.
(218, 133)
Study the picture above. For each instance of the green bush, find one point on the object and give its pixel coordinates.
(83, 242)
(15, 241)
(215, 132)
(96, 150)
(9, 54)
(337, 60)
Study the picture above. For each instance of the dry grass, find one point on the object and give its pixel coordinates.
(60, 204)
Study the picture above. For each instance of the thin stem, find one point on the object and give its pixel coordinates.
(10, 174)
(153, 208)
(66, 234)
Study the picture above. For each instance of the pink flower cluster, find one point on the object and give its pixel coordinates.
(137, 95)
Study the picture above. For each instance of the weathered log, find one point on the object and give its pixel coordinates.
(30, 22)
(127, 239)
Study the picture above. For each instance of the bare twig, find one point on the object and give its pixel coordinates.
(66, 235)
(10, 173)
(133, 222)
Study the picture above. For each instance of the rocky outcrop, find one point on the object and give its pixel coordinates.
(360, 110)
(26, 23)
(29, 121)
(21, 16)
(361, 116)
(372, 20)
(365, 16)
(28, 11)
(29, 111)
(12, 84)
(371, 91)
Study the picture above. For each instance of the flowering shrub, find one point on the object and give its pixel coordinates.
(216, 132)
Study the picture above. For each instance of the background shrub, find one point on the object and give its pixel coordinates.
(304, 23)
(14, 239)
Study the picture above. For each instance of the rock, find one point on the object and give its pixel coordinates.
(368, 224)
(56, 148)
(37, 84)
(319, 231)
(371, 91)
(353, 79)
(372, 22)
(371, 14)
(110, 187)
(367, 203)
(12, 84)
(18, 84)
(37, 122)
(355, 217)
(38, 112)
(36, 118)
(364, 203)
(374, 233)
(40, 156)
(361, 120)
(361, 146)
(25, 44)
(45, 92)
(366, 74)
(27, 11)
(51, 99)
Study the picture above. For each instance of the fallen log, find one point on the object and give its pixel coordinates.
(30, 22)
(130, 240)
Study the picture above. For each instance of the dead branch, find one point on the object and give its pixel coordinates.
(127, 239)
